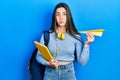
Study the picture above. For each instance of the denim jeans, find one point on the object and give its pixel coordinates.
(64, 72)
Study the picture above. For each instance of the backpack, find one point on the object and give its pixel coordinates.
(36, 70)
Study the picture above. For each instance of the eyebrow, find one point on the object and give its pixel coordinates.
(59, 12)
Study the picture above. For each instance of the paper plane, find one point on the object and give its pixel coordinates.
(97, 32)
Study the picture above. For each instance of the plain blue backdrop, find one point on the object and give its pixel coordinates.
(22, 22)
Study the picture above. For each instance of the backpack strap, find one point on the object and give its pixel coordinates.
(46, 40)
(46, 37)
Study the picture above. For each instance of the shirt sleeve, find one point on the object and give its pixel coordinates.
(39, 57)
(82, 53)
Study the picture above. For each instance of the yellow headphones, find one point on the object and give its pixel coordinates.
(61, 35)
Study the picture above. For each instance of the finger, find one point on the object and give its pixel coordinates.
(90, 39)
(55, 65)
(90, 35)
(51, 61)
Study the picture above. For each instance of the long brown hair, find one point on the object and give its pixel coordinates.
(70, 27)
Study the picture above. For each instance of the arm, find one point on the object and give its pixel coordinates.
(83, 53)
(39, 57)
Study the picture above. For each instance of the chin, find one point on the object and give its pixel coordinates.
(62, 25)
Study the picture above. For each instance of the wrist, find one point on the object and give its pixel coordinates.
(47, 63)
(87, 43)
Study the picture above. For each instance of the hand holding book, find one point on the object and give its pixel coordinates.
(53, 63)
(46, 54)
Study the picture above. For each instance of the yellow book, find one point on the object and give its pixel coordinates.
(97, 32)
(44, 51)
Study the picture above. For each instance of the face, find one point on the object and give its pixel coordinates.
(61, 16)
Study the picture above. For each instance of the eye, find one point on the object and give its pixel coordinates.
(64, 13)
(57, 14)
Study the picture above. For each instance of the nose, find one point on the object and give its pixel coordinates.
(61, 17)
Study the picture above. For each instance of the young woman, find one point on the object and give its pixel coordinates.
(65, 45)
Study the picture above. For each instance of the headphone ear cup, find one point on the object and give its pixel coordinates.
(61, 35)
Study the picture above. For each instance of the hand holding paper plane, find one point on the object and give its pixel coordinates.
(97, 32)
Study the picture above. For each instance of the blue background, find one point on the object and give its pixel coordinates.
(22, 22)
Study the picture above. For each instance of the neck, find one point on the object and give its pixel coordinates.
(61, 29)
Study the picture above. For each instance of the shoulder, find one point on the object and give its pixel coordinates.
(78, 37)
(49, 31)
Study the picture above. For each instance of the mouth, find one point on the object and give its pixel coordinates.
(61, 22)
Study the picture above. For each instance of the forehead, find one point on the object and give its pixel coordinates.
(60, 9)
